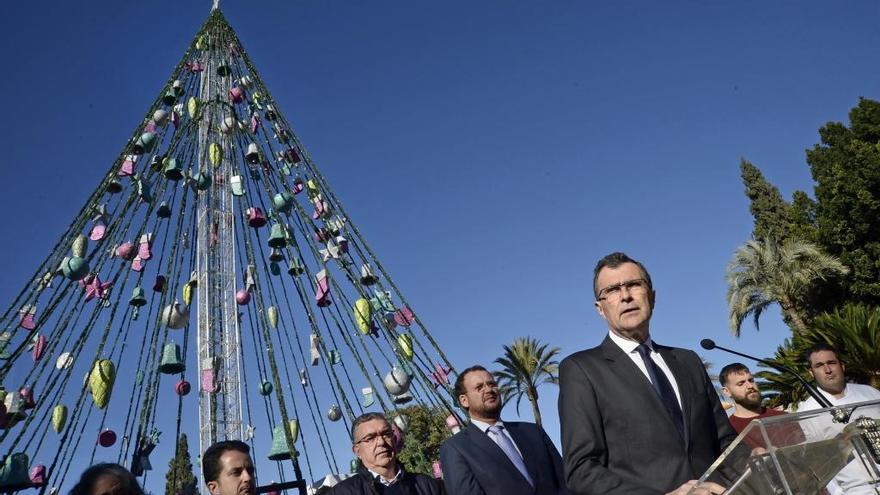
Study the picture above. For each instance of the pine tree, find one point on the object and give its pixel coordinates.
(846, 169)
(770, 210)
(180, 479)
(844, 218)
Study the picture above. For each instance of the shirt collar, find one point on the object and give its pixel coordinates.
(485, 426)
(378, 477)
(626, 345)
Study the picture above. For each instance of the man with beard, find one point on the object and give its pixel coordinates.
(739, 385)
(228, 469)
(491, 457)
(374, 445)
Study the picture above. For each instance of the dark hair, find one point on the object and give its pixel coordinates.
(731, 369)
(614, 260)
(90, 476)
(818, 347)
(363, 418)
(211, 457)
(458, 388)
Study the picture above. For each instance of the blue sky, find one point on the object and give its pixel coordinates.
(490, 151)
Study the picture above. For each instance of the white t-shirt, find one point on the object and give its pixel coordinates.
(823, 427)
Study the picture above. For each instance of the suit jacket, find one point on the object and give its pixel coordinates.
(473, 464)
(616, 436)
(363, 483)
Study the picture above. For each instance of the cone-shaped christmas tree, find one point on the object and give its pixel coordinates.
(213, 269)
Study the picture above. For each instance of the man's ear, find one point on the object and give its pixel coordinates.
(213, 487)
(725, 391)
(599, 310)
(463, 400)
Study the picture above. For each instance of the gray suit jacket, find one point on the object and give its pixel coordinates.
(473, 464)
(616, 436)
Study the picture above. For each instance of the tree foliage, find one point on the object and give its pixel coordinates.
(527, 364)
(180, 480)
(425, 433)
(843, 219)
(763, 272)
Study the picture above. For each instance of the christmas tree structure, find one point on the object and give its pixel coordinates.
(212, 278)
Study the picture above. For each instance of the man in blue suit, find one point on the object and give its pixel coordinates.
(490, 457)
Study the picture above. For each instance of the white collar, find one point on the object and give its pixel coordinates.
(626, 345)
(385, 482)
(484, 427)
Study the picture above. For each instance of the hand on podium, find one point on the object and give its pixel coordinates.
(693, 487)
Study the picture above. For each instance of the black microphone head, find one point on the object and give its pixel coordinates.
(707, 344)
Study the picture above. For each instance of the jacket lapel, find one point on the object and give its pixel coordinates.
(494, 455)
(526, 448)
(624, 367)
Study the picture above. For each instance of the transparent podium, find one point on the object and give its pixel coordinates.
(826, 451)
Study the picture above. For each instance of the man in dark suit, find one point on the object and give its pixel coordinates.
(380, 472)
(637, 417)
(490, 457)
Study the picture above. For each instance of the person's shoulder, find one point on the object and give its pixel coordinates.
(352, 484)
(455, 441)
(582, 356)
(865, 390)
(523, 426)
(772, 412)
(424, 483)
(808, 405)
(679, 351)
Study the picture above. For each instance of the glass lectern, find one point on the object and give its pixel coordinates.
(826, 451)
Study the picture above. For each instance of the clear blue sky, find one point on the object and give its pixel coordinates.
(489, 151)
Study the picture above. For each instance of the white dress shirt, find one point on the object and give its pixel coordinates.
(850, 480)
(629, 348)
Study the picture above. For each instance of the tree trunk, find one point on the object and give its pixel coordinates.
(799, 326)
(532, 394)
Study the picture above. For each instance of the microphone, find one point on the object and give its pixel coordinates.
(840, 415)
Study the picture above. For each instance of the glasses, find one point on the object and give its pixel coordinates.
(386, 435)
(614, 292)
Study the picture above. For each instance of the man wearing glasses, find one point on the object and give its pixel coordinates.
(637, 417)
(381, 474)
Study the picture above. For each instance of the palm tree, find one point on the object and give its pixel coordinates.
(783, 389)
(763, 272)
(527, 364)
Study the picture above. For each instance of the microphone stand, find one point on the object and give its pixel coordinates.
(840, 415)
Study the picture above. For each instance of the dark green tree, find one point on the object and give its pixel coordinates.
(843, 219)
(770, 210)
(426, 430)
(846, 169)
(180, 480)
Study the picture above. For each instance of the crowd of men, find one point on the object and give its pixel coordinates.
(636, 416)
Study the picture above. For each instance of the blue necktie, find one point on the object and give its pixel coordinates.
(662, 387)
(509, 450)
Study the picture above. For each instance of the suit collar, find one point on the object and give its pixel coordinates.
(628, 370)
(496, 456)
